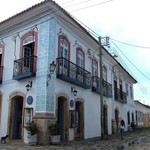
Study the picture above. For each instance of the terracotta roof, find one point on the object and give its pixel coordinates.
(137, 101)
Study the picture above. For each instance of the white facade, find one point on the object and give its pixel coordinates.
(142, 114)
(42, 32)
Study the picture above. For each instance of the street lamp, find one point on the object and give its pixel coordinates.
(28, 86)
(52, 69)
(74, 91)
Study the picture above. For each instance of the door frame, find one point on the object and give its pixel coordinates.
(12, 99)
(81, 125)
(65, 121)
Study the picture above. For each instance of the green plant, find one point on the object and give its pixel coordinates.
(54, 129)
(31, 128)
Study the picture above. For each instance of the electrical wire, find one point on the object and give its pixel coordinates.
(130, 61)
(138, 84)
(78, 3)
(146, 47)
(92, 5)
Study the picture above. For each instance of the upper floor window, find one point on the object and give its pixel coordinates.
(80, 58)
(127, 89)
(115, 81)
(28, 45)
(63, 47)
(105, 73)
(120, 84)
(94, 67)
(1, 55)
(131, 92)
(128, 117)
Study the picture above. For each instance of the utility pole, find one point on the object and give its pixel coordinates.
(101, 81)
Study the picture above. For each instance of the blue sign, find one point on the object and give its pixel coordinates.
(29, 100)
(71, 103)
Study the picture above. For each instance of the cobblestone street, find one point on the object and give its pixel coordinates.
(138, 140)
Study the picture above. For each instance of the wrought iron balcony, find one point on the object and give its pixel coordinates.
(1, 74)
(24, 68)
(120, 96)
(107, 87)
(70, 72)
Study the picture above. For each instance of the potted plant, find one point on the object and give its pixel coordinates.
(32, 130)
(53, 130)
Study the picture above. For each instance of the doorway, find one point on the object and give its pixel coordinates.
(105, 120)
(79, 120)
(16, 117)
(62, 117)
(117, 118)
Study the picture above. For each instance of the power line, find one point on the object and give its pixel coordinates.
(146, 47)
(92, 5)
(130, 61)
(78, 3)
(139, 84)
(68, 2)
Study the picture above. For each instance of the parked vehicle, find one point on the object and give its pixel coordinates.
(132, 126)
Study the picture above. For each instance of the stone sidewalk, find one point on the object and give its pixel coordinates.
(138, 140)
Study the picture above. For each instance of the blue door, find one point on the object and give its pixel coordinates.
(79, 120)
(17, 120)
(61, 117)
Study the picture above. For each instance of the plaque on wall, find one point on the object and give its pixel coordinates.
(71, 103)
(29, 100)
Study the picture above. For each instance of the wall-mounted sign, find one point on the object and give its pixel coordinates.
(71, 103)
(29, 100)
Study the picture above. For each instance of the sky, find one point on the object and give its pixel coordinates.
(127, 24)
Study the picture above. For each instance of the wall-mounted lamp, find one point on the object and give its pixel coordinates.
(29, 86)
(74, 91)
(52, 69)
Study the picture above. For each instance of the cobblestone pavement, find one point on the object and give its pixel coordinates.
(138, 140)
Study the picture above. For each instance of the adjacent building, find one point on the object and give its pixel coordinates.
(142, 115)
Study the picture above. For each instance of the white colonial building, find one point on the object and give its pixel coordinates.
(29, 42)
(142, 113)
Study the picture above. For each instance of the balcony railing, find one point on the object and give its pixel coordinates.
(120, 96)
(1, 74)
(70, 72)
(107, 87)
(24, 68)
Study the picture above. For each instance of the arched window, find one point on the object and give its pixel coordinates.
(121, 89)
(28, 51)
(80, 57)
(63, 47)
(95, 73)
(1, 61)
(105, 73)
(29, 45)
(63, 54)
(94, 67)
(2, 55)
(128, 117)
(80, 60)
(115, 87)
